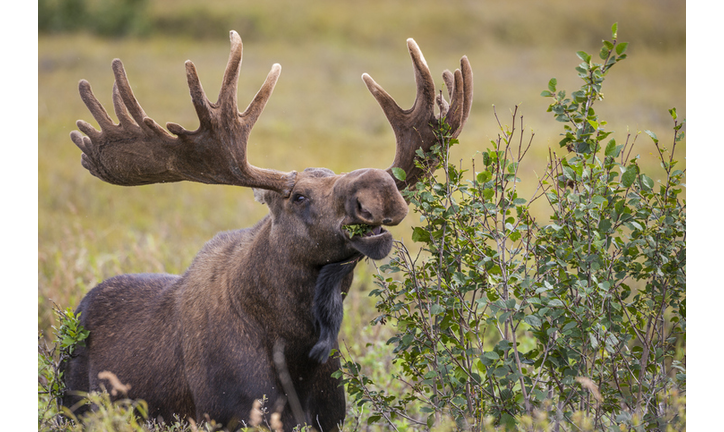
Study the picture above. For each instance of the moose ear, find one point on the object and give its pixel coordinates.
(260, 195)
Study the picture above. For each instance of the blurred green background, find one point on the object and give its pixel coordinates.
(321, 114)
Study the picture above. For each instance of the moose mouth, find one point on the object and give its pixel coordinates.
(362, 230)
(372, 241)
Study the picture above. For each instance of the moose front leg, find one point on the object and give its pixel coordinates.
(228, 394)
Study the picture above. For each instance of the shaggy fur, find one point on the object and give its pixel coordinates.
(328, 309)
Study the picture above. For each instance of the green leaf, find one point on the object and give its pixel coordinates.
(501, 371)
(604, 226)
(583, 56)
(652, 135)
(533, 320)
(570, 326)
(399, 173)
(629, 176)
(436, 309)
(484, 177)
(647, 183)
(672, 111)
(508, 421)
(598, 199)
(552, 85)
(357, 229)
(611, 149)
(569, 173)
(420, 235)
(555, 303)
(492, 355)
(621, 48)
(614, 30)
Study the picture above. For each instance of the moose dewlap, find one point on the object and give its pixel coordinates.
(258, 311)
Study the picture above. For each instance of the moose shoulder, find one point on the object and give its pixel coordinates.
(208, 343)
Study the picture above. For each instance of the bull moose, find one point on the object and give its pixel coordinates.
(259, 309)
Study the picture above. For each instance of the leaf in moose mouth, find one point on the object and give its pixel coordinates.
(359, 230)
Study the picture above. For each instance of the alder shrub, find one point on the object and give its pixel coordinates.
(51, 385)
(504, 321)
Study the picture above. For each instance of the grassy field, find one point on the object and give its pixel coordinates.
(321, 114)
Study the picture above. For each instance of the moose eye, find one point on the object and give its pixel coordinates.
(298, 198)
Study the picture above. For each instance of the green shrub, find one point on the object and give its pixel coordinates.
(575, 322)
(51, 386)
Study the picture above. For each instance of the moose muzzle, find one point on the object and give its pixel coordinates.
(371, 199)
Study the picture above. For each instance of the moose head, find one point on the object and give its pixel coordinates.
(258, 311)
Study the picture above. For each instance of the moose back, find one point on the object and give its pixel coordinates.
(258, 311)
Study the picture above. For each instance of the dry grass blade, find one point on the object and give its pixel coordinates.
(116, 384)
(590, 386)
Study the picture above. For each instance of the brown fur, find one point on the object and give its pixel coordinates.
(202, 343)
(205, 343)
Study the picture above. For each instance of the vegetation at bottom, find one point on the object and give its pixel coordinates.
(504, 320)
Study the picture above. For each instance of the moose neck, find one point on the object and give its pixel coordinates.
(280, 288)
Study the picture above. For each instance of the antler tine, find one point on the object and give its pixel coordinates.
(96, 109)
(198, 98)
(139, 151)
(227, 93)
(256, 106)
(461, 95)
(124, 101)
(414, 128)
(424, 81)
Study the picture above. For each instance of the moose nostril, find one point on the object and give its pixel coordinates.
(363, 212)
(386, 221)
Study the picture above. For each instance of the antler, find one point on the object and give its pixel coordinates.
(138, 151)
(414, 128)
